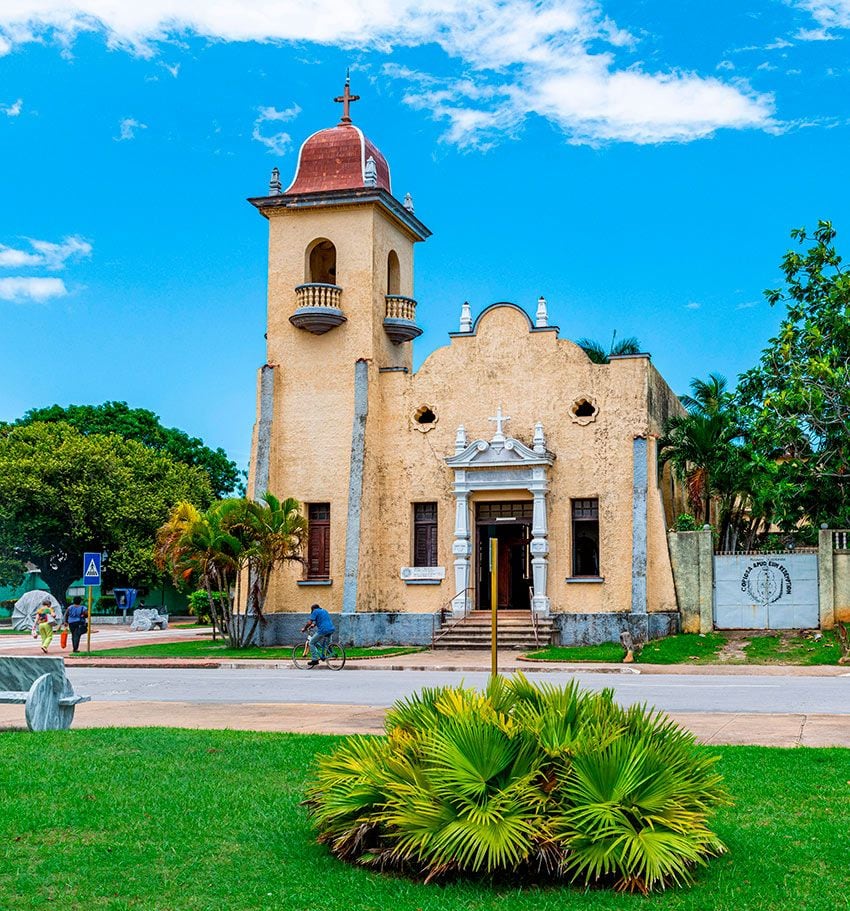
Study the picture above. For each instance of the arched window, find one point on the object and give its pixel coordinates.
(321, 262)
(393, 274)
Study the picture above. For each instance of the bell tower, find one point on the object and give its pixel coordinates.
(341, 310)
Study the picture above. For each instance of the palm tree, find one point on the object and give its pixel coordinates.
(597, 353)
(709, 396)
(703, 446)
(235, 542)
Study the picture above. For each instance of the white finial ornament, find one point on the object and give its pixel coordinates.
(408, 203)
(370, 173)
(542, 320)
(465, 317)
(499, 420)
(275, 186)
(460, 439)
(539, 441)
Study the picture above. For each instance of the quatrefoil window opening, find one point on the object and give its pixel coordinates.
(424, 418)
(584, 410)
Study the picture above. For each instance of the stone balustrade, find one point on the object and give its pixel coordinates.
(318, 307)
(400, 320)
(400, 307)
(318, 294)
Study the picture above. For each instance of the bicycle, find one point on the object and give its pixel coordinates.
(332, 653)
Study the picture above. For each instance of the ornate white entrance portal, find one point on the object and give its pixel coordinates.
(502, 463)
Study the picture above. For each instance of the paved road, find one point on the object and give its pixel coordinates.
(682, 693)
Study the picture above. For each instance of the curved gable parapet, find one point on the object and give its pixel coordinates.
(497, 306)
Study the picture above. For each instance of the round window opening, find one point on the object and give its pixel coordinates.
(424, 418)
(584, 410)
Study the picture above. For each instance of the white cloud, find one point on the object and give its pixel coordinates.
(128, 127)
(725, 65)
(12, 110)
(693, 305)
(10, 258)
(280, 142)
(21, 289)
(559, 59)
(747, 305)
(45, 254)
(829, 13)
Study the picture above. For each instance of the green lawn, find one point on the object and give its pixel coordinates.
(6, 631)
(681, 649)
(206, 648)
(216, 825)
(794, 649)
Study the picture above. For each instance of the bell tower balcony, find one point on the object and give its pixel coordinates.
(318, 307)
(400, 320)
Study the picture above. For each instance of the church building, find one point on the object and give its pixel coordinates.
(508, 433)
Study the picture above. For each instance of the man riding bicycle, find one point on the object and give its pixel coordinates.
(320, 619)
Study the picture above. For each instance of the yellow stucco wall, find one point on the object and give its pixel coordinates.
(533, 375)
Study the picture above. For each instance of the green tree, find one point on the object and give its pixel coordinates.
(231, 551)
(795, 403)
(599, 354)
(144, 426)
(63, 492)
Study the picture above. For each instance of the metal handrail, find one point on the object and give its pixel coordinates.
(444, 629)
(535, 620)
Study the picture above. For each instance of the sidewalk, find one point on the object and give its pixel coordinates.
(776, 730)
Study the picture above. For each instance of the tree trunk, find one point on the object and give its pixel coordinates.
(60, 578)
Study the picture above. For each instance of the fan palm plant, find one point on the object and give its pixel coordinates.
(518, 780)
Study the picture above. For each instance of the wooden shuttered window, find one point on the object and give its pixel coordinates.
(424, 534)
(319, 541)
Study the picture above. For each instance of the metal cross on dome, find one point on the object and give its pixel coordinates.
(499, 419)
(346, 98)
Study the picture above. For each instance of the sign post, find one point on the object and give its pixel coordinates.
(494, 607)
(91, 577)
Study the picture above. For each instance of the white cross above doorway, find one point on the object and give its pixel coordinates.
(499, 419)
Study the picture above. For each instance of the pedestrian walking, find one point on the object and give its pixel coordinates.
(45, 619)
(77, 619)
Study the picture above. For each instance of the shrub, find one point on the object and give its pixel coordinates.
(199, 606)
(545, 782)
(686, 522)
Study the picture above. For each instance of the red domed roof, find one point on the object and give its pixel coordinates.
(335, 159)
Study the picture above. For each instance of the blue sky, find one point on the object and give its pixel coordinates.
(639, 164)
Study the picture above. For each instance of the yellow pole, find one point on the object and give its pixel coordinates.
(494, 606)
(88, 623)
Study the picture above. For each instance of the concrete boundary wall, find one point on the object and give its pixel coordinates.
(692, 559)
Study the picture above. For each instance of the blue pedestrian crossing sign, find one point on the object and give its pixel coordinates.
(91, 569)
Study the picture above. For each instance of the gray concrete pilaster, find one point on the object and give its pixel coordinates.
(355, 487)
(639, 491)
(264, 432)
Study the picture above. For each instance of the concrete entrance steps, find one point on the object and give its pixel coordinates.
(515, 631)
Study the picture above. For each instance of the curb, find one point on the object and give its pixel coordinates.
(708, 670)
